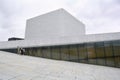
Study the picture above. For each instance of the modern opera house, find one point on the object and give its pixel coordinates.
(60, 36)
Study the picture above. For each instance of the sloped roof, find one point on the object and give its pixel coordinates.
(20, 67)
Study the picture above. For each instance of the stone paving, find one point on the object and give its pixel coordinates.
(20, 67)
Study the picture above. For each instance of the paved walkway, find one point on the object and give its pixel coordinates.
(19, 67)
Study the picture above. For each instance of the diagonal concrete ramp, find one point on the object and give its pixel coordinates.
(20, 67)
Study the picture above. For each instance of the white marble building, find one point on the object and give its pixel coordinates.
(56, 28)
(59, 35)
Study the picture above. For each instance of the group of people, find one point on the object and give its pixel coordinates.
(21, 51)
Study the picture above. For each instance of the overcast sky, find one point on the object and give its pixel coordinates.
(99, 16)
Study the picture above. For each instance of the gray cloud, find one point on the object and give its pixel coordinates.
(100, 16)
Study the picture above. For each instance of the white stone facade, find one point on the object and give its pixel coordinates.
(56, 28)
(58, 23)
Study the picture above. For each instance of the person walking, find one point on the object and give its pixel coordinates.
(22, 51)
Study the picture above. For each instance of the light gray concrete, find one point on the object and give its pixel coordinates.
(57, 23)
(60, 40)
(19, 67)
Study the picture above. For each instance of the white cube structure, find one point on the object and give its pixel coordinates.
(58, 23)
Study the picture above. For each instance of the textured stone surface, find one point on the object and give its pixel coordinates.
(57, 23)
(20, 67)
(60, 41)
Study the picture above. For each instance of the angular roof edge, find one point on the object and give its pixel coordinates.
(60, 9)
